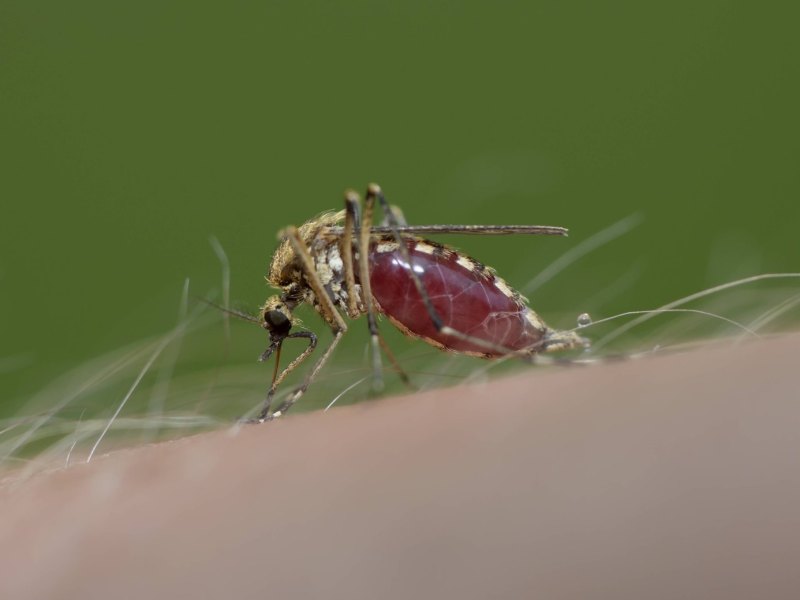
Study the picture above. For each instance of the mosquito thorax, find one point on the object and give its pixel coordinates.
(285, 268)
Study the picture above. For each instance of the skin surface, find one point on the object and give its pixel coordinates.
(673, 476)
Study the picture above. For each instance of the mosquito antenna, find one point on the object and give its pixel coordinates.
(232, 311)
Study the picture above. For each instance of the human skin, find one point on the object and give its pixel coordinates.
(672, 476)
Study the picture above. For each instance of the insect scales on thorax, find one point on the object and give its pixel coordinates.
(425, 289)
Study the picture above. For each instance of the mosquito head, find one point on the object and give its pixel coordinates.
(276, 319)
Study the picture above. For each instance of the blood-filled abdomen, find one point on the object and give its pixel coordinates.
(467, 297)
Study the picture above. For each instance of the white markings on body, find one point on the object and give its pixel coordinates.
(386, 247)
(335, 260)
(466, 263)
(503, 287)
(533, 319)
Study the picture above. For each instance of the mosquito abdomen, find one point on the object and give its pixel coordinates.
(465, 295)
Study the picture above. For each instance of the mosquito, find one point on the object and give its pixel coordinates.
(343, 266)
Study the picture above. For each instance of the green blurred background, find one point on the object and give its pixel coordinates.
(131, 132)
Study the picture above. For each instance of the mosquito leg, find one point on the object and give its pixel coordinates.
(278, 379)
(392, 359)
(348, 240)
(366, 289)
(351, 225)
(374, 192)
(299, 391)
(399, 218)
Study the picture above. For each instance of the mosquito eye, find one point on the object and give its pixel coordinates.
(277, 322)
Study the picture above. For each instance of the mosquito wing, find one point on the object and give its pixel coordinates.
(463, 229)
